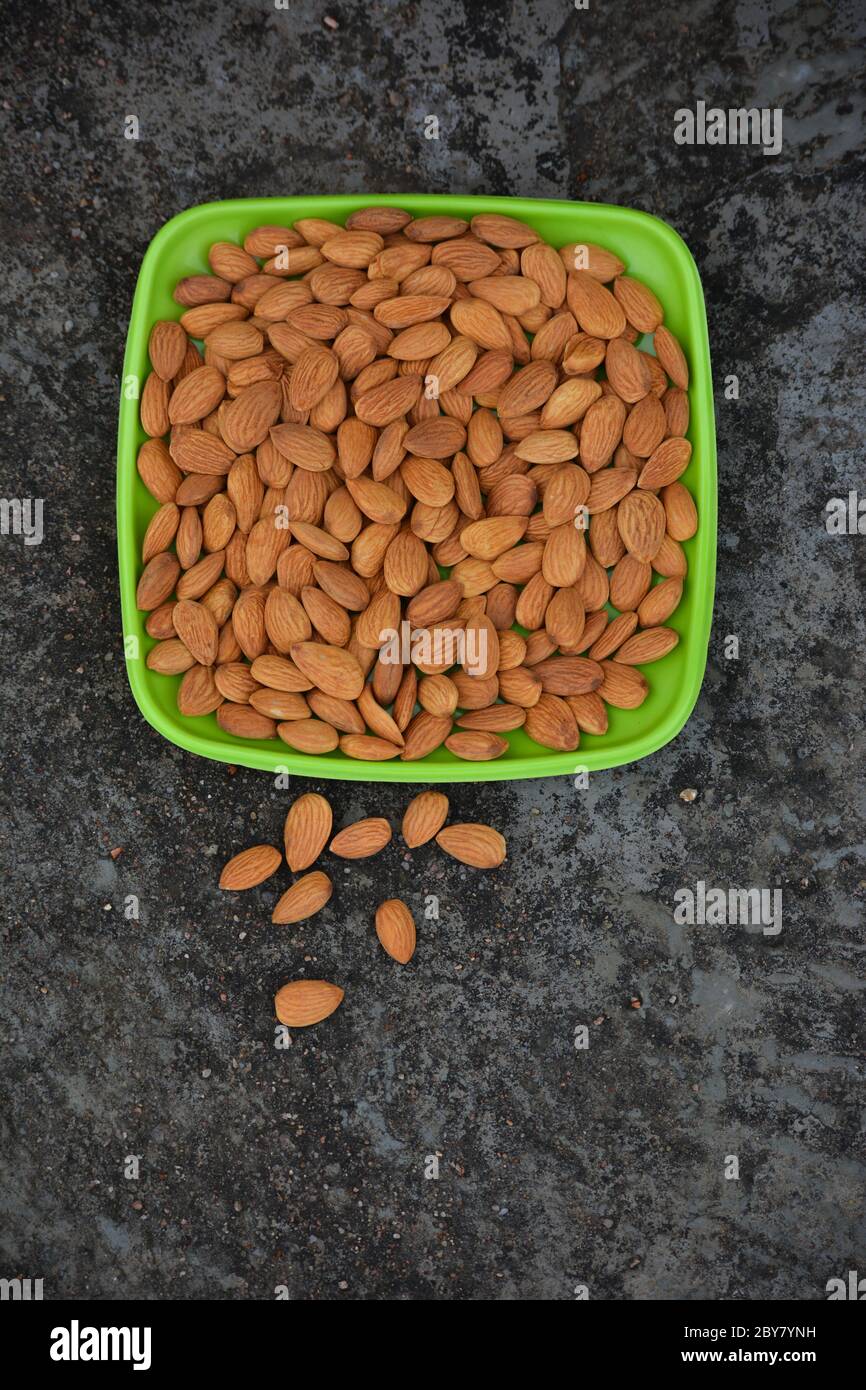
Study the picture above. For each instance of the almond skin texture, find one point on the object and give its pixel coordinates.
(660, 602)
(666, 463)
(304, 1002)
(308, 826)
(641, 521)
(196, 627)
(250, 867)
(595, 308)
(424, 817)
(306, 896)
(476, 745)
(551, 723)
(680, 510)
(479, 846)
(649, 645)
(333, 669)
(395, 928)
(364, 838)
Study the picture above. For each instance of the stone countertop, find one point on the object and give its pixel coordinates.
(309, 1169)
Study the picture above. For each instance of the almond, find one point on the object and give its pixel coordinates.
(569, 403)
(528, 389)
(547, 446)
(623, 686)
(680, 511)
(161, 531)
(615, 633)
(389, 401)
(494, 718)
(307, 896)
(479, 846)
(166, 348)
(629, 583)
(466, 259)
(582, 353)
(250, 867)
(362, 839)
(196, 627)
(568, 675)
(544, 265)
(510, 294)
(197, 693)
(424, 817)
(671, 357)
(590, 712)
(378, 501)
(639, 303)
(196, 396)
(641, 521)
(304, 1002)
(201, 289)
(563, 561)
(157, 470)
(421, 340)
(666, 463)
(244, 722)
(333, 669)
(660, 602)
(676, 407)
(502, 231)
(200, 452)
(312, 736)
(308, 825)
(595, 308)
(279, 704)
(481, 323)
(645, 426)
(368, 748)
(597, 261)
(408, 309)
(669, 560)
(600, 432)
(487, 539)
(551, 723)
(476, 745)
(607, 488)
(648, 645)
(626, 370)
(157, 581)
(424, 733)
(303, 446)
(395, 928)
(353, 248)
(170, 657)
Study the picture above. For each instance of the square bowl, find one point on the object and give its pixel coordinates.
(654, 253)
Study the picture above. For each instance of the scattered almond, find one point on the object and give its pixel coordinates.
(395, 928)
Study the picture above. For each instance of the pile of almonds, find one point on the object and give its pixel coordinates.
(374, 406)
(308, 826)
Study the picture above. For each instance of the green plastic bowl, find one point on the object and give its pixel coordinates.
(654, 253)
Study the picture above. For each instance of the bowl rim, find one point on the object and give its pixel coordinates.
(280, 758)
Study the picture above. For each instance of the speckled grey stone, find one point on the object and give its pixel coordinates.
(558, 1167)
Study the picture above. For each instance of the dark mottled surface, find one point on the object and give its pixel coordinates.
(558, 1167)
